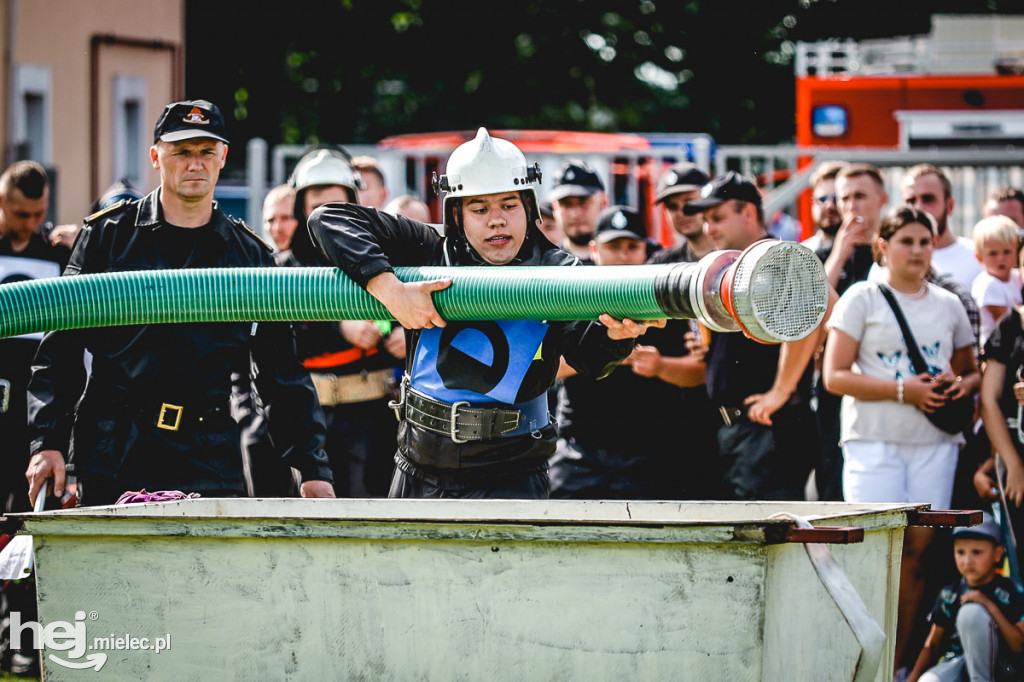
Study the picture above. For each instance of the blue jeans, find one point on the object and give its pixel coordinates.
(980, 640)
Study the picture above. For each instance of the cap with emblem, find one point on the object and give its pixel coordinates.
(190, 119)
(619, 222)
(724, 188)
(682, 177)
(577, 179)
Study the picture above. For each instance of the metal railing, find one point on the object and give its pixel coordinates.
(785, 170)
(974, 173)
(629, 174)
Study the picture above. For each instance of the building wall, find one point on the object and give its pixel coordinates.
(84, 45)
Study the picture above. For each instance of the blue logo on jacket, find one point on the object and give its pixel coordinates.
(476, 361)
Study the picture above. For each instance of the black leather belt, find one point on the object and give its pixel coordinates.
(735, 415)
(171, 417)
(458, 421)
(198, 413)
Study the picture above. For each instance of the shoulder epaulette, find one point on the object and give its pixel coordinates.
(109, 209)
(261, 240)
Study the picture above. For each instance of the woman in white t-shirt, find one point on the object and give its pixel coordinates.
(892, 453)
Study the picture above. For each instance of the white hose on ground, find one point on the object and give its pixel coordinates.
(869, 634)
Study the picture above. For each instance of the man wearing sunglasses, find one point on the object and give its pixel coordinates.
(824, 209)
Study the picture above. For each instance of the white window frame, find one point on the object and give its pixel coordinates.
(978, 126)
(128, 154)
(33, 80)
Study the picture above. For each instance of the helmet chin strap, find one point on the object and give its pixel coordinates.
(460, 243)
(529, 200)
(457, 234)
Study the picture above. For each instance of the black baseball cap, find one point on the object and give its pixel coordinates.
(190, 119)
(732, 185)
(618, 222)
(682, 177)
(988, 529)
(577, 179)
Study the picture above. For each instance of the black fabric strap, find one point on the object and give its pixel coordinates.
(916, 359)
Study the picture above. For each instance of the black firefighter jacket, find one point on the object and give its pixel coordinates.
(138, 370)
(364, 243)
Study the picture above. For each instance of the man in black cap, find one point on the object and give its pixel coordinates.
(768, 437)
(155, 413)
(576, 201)
(620, 237)
(678, 186)
(619, 437)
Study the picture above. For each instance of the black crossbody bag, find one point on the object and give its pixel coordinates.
(955, 415)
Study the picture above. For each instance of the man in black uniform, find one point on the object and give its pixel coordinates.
(678, 186)
(29, 249)
(619, 438)
(474, 404)
(155, 414)
(576, 201)
(353, 363)
(26, 252)
(698, 418)
(768, 437)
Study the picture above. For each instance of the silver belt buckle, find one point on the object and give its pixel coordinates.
(454, 430)
(398, 405)
(5, 395)
(726, 417)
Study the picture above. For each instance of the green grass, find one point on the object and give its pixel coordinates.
(7, 676)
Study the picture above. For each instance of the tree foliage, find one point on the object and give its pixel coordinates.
(360, 70)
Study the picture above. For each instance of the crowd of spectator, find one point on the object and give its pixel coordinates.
(689, 413)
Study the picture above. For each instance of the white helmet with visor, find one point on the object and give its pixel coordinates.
(326, 167)
(487, 165)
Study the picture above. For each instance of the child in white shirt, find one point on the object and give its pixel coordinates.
(998, 288)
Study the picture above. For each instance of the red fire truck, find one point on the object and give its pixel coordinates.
(909, 112)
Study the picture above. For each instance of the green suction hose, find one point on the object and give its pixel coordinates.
(772, 291)
(323, 293)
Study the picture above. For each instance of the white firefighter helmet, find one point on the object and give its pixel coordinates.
(326, 167)
(486, 165)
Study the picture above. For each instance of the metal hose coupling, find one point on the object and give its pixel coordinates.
(773, 292)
